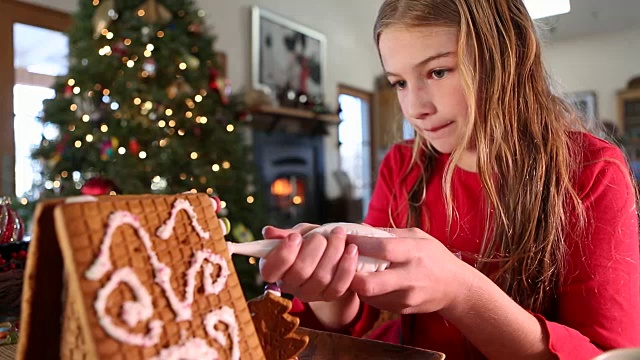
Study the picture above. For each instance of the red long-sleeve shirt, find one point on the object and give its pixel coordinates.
(598, 305)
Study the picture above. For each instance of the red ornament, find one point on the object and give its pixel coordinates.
(195, 28)
(221, 85)
(213, 77)
(243, 115)
(62, 144)
(217, 207)
(120, 49)
(134, 146)
(11, 225)
(99, 186)
(68, 91)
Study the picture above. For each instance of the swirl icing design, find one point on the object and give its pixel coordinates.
(134, 312)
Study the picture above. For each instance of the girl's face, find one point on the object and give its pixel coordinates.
(422, 65)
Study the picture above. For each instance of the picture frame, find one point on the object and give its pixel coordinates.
(286, 55)
(586, 103)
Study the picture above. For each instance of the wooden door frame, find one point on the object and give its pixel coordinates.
(11, 12)
(368, 97)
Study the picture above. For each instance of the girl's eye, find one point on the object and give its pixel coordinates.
(399, 85)
(439, 74)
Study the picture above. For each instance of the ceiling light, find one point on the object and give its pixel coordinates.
(545, 8)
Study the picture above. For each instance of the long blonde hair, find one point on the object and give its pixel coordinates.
(527, 160)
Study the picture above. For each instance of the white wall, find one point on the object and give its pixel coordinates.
(602, 63)
(347, 24)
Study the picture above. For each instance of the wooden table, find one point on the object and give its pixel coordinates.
(8, 352)
(323, 345)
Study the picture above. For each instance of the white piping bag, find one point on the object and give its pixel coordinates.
(260, 248)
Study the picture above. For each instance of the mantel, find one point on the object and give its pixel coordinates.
(292, 120)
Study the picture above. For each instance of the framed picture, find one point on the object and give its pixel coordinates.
(586, 104)
(286, 55)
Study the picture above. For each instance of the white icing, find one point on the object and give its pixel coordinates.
(276, 293)
(365, 263)
(261, 248)
(142, 309)
(103, 263)
(227, 316)
(183, 308)
(165, 230)
(80, 199)
(132, 312)
(192, 349)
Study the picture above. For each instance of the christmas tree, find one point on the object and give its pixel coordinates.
(145, 108)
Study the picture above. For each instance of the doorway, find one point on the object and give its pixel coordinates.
(35, 49)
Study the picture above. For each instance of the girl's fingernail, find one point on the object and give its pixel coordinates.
(294, 239)
(351, 250)
(264, 229)
(339, 230)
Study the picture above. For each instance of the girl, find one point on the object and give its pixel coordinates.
(515, 231)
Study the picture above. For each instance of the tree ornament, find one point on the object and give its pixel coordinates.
(195, 27)
(221, 85)
(68, 91)
(149, 65)
(120, 49)
(134, 146)
(154, 13)
(106, 150)
(103, 16)
(54, 160)
(146, 33)
(61, 146)
(241, 233)
(11, 225)
(191, 61)
(178, 87)
(99, 186)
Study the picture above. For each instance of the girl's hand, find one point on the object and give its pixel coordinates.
(424, 275)
(316, 268)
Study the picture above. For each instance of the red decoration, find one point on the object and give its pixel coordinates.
(213, 76)
(134, 147)
(11, 225)
(217, 207)
(68, 91)
(195, 28)
(120, 49)
(243, 115)
(99, 186)
(62, 144)
(221, 85)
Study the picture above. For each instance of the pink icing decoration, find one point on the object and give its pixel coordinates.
(165, 230)
(192, 349)
(132, 313)
(225, 315)
(183, 308)
(142, 310)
